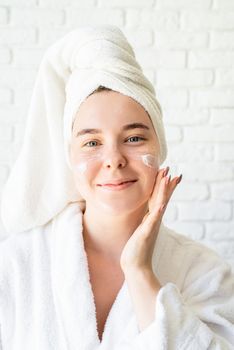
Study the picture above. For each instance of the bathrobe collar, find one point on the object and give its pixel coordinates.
(73, 294)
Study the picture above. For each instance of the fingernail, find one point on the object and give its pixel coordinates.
(168, 180)
(166, 171)
(179, 179)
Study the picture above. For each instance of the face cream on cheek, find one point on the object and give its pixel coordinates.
(81, 168)
(149, 160)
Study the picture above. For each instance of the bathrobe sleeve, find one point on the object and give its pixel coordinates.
(197, 316)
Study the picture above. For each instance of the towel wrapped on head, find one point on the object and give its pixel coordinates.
(41, 184)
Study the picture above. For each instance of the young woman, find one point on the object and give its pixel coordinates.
(90, 264)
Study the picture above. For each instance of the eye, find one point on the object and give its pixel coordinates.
(136, 137)
(93, 141)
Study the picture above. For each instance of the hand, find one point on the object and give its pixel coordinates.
(138, 251)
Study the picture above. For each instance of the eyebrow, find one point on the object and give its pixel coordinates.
(125, 127)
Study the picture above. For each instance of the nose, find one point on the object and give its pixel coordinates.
(114, 159)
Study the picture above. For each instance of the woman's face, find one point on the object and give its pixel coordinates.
(113, 153)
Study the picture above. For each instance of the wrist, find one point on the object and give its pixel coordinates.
(139, 273)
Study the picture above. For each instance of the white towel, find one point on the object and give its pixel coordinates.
(40, 184)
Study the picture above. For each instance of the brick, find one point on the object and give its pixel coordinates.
(17, 36)
(223, 4)
(224, 77)
(190, 192)
(220, 230)
(206, 171)
(13, 3)
(204, 211)
(5, 55)
(126, 3)
(22, 97)
(47, 37)
(222, 40)
(37, 16)
(28, 57)
(11, 113)
(191, 230)
(5, 96)
(95, 16)
(171, 212)
(17, 77)
(62, 3)
(222, 116)
(212, 98)
(223, 191)
(180, 40)
(3, 16)
(185, 117)
(173, 134)
(178, 4)
(139, 38)
(172, 97)
(19, 132)
(186, 152)
(184, 77)
(224, 152)
(212, 59)
(210, 133)
(207, 20)
(160, 58)
(6, 132)
(165, 20)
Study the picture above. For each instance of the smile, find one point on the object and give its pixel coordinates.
(118, 187)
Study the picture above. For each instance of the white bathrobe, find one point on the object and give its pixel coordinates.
(46, 299)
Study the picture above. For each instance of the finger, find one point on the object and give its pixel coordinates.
(165, 191)
(172, 185)
(160, 200)
(162, 173)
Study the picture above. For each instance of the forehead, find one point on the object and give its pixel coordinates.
(110, 109)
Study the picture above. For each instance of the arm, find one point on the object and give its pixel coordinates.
(143, 287)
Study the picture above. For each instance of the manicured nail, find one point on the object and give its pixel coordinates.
(166, 171)
(179, 179)
(168, 180)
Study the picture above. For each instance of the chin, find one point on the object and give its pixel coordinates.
(120, 207)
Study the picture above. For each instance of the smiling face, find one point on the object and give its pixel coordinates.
(115, 152)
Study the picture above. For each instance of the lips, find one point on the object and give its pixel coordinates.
(117, 182)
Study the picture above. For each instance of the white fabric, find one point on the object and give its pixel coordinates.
(46, 301)
(41, 183)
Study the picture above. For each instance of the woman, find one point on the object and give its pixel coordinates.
(90, 264)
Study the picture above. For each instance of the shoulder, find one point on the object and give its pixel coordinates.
(182, 260)
(182, 244)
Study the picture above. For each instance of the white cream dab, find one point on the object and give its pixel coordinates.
(148, 159)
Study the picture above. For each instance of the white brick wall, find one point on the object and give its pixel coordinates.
(186, 49)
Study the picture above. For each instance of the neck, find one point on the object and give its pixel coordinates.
(107, 235)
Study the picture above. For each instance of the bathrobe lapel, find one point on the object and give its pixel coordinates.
(74, 299)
